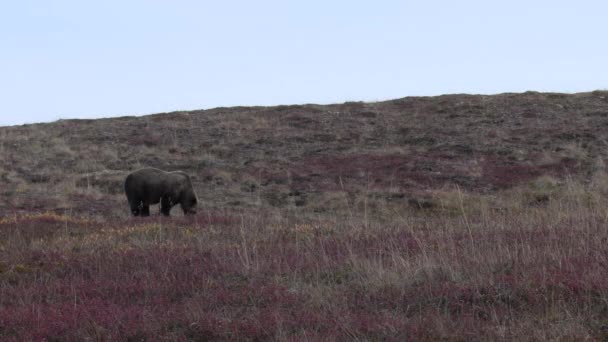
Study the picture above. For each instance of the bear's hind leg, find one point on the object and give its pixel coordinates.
(165, 206)
(145, 210)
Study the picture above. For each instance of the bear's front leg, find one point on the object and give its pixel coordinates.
(165, 205)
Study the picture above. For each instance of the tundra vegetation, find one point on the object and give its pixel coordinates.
(455, 217)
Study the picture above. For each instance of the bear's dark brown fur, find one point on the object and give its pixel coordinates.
(150, 186)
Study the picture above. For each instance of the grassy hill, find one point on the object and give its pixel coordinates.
(456, 217)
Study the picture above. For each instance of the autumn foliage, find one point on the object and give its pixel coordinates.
(528, 273)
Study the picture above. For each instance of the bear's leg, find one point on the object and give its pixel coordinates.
(165, 206)
(135, 208)
(145, 210)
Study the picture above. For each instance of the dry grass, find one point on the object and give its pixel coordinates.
(449, 218)
(397, 150)
(523, 273)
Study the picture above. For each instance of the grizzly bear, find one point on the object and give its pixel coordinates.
(150, 186)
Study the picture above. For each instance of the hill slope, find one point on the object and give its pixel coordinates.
(510, 244)
(310, 156)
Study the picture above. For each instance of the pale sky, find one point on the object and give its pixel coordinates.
(64, 59)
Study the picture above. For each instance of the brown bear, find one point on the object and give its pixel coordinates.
(151, 186)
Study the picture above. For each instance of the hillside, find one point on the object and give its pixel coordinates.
(312, 157)
(450, 218)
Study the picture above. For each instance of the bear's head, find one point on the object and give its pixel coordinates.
(188, 203)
